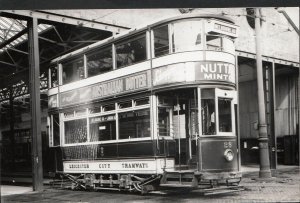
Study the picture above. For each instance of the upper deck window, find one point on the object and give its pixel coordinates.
(214, 42)
(186, 36)
(161, 41)
(72, 71)
(217, 42)
(131, 51)
(54, 76)
(99, 62)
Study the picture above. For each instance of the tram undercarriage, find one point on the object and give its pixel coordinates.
(187, 180)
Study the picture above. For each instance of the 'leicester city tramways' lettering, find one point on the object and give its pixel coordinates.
(112, 165)
(104, 165)
(134, 165)
(79, 166)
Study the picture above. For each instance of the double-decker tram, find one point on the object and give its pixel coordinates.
(153, 108)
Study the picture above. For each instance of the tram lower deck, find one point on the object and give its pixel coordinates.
(160, 143)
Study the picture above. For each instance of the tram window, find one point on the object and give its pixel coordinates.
(75, 131)
(80, 112)
(69, 114)
(56, 137)
(161, 41)
(142, 101)
(125, 104)
(194, 128)
(54, 76)
(99, 62)
(73, 71)
(228, 45)
(213, 42)
(186, 36)
(164, 127)
(208, 112)
(108, 107)
(103, 128)
(165, 101)
(134, 124)
(225, 123)
(94, 109)
(131, 51)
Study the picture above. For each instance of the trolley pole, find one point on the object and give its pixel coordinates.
(264, 171)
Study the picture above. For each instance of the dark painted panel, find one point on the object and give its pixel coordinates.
(136, 149)
(213, 154)
(116, 150)
(58, 158)
(166, 148)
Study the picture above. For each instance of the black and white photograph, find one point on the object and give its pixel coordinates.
(139, 105)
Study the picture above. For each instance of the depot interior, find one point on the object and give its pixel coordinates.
(56, 38)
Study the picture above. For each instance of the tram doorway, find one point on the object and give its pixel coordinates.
(182, 120)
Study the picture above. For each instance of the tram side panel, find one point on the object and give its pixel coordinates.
(114, 151)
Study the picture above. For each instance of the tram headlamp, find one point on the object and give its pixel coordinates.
(228, 154)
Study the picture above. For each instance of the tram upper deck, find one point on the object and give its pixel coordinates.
(186, 50)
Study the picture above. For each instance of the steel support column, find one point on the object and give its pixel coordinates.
(35, 106)
(274, 141)
(264, 171)
(12, 129)
(271, 108)
(298, 129)
(237, 110)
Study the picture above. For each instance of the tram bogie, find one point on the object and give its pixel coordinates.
(161, 119)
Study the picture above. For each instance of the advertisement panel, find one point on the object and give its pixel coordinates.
(105, 89)
(189, 72)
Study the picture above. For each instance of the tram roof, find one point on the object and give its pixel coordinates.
(139, 29)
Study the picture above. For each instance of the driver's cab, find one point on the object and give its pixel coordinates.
(178, 119)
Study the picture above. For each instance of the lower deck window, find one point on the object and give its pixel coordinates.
(102, 128)
(134, 124)
(56, 137)
(164, 121)
(224, 106)
(75, 131)
(208, 112)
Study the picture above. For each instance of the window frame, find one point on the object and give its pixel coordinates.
(97, 51)
(50, 122)
(153, 40)
(140, 35)
(220, 93)
(50, 82)
(68, 61)
(115, 112)
(172, 37)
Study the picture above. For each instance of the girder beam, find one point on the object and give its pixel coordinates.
(47, 17)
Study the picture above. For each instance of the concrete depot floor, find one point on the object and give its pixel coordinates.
(285, 187)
